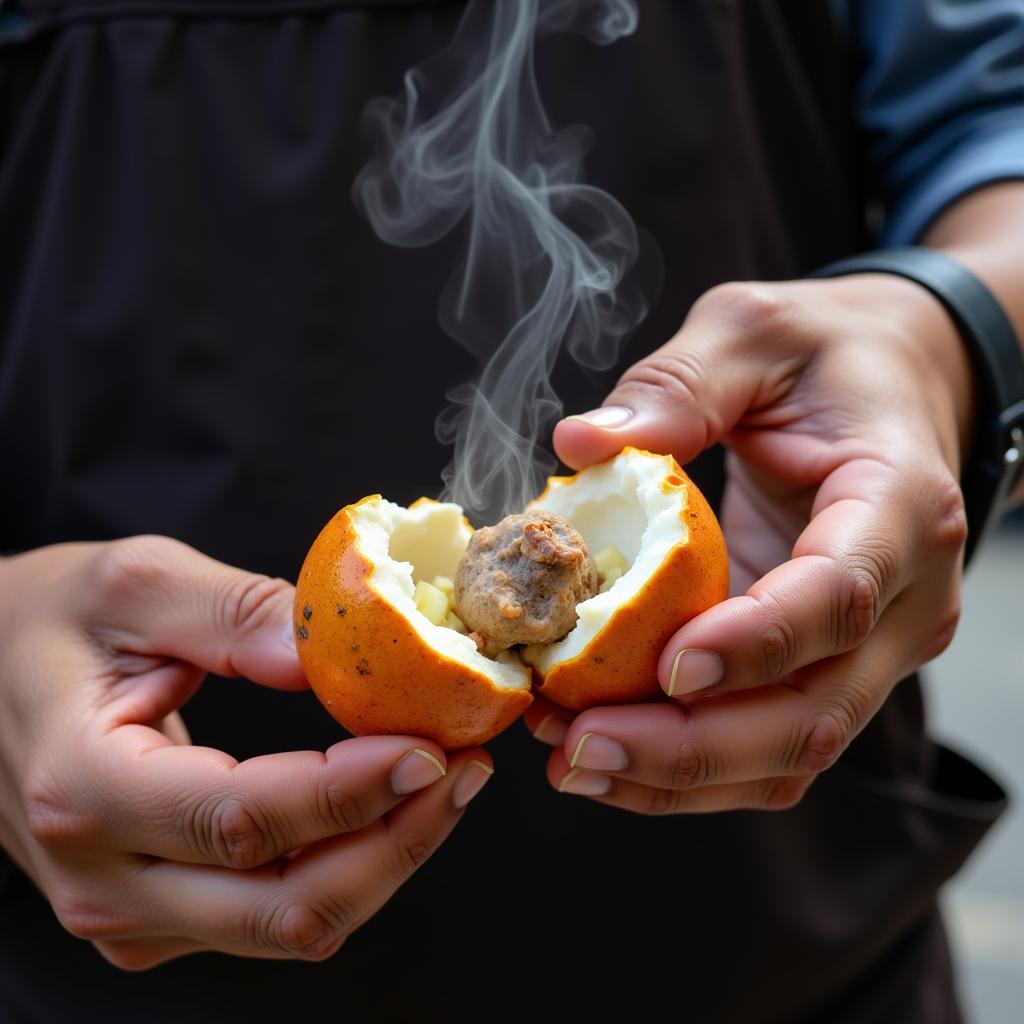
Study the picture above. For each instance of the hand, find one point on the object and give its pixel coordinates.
(152, 848)
(843, 405)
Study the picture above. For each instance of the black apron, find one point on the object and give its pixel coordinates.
(200, 337)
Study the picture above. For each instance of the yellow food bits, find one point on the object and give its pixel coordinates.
(452, 621)
(430, 602)
(611, 565)
(434, 600)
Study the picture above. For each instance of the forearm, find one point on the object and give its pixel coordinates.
(985, 232)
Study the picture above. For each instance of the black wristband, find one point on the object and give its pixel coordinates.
(996, 459)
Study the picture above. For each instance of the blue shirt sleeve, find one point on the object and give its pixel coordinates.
(940, 98)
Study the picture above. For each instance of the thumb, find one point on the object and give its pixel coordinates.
(165, 599)
(729, 357)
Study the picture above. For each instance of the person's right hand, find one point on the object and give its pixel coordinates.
(152, 848)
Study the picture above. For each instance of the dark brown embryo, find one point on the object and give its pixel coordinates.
(519, 582)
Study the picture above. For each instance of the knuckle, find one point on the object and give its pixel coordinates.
(88, 915)
(237, 834)
(343, 809)
(674, 370)
(52, 818)
(782, 794)
(690, 768)
(663, 801)
(778, 649)
(411, 853)
(675, 375)
(950, 531)
(828, 735)
(122, 568)
(755, 308)
(313, 932)
(859, 597)
(251, 600)
(945, 630)
(303, 931)
(222, 829)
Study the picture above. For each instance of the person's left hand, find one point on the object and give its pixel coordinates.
(844, 406)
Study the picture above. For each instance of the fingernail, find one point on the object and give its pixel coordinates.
(600, 753)
(585, 783)
(608, 417)
(694, 670)
(471, 780)
(552, 729)
(288, 635)
(417, 769)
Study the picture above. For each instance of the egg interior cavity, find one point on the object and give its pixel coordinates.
(633, 504)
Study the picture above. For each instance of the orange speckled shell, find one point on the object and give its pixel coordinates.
(370, 668)
(620, 664)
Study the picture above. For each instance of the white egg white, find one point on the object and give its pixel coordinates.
(621, 503)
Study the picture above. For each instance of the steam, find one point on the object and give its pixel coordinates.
(546, 256)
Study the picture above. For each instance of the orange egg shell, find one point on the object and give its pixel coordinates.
(620, 664)
(371, 669)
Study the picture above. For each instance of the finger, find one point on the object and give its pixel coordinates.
(169, 600)
(306, 907)
(760, 795)
(807, 609)
(688, 394)
(547, 721)
(863, 547)
(777, 730)
(198, 805)
(773, 794)
(730, 739)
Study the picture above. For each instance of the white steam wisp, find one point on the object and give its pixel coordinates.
(546, 257)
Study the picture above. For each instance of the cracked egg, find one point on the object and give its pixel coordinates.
(389, 640)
